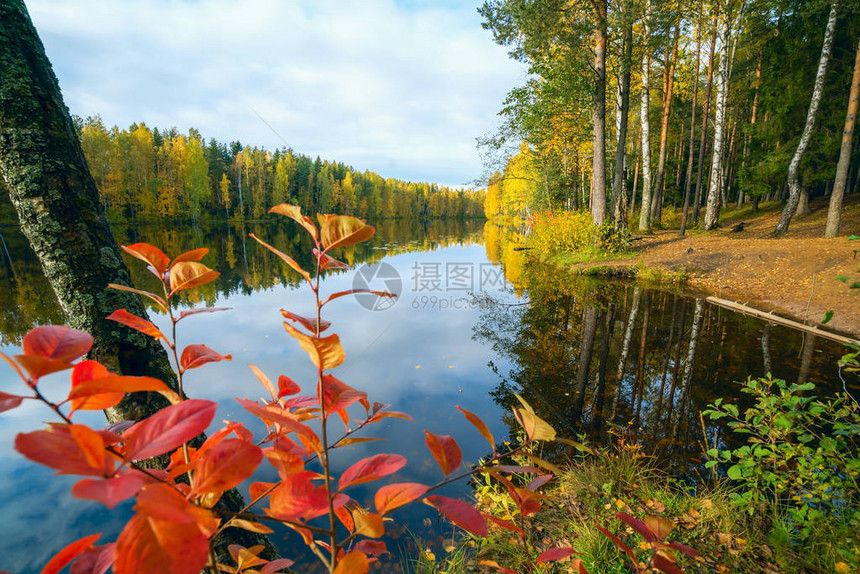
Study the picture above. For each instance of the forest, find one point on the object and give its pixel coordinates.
(146, 174)
(636, 108)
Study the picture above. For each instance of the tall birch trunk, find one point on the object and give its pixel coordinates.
(712, 208)
(697, 203)
(625, 349)
(598, 174)
(645, 211)
(834, 212)
(817, 91)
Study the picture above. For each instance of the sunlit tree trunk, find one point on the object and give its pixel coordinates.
(794, 189)
(834, 212)
(697, 203)
(645, 211)
(598, 174)
(806, 357)
(688, 181)
(668, 84)
(712, 207)
(684, 395)
(765, 349)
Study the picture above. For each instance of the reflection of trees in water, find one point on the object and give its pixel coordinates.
(27, 300)
(591, 355)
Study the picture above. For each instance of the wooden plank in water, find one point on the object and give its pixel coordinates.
(741, 308)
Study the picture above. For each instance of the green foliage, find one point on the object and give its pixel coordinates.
(801, 455)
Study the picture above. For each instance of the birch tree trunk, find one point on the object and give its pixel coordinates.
(598, 174)
(697, 203)
(625, 349)
(684, 395)
(712, 210)
(589, 330)
(645, 211)
(834, 212)
(817, 91)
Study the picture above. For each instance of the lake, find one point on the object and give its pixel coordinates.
(476, 321)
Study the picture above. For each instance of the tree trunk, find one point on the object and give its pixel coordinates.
(598, 174)
(697, 203)
(803, 202)
(625, 350)
(59, 211)
(765, 350)
(688, 180)
(657, 208)
(589, 330)
(834, 212)
(712, 210)
(645, 212)
(619, 192)
(688, 366)
(817, 91)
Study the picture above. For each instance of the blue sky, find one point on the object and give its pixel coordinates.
(398, 87)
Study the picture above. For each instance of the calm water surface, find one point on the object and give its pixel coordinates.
(475, 322)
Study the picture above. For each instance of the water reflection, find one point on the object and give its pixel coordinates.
(593, 356)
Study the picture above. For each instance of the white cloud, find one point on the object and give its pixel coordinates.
(401, 88)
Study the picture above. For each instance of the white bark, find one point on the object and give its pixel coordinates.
(712, 212)
(817, 91)
(645, 211)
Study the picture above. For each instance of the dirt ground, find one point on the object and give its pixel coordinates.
(794, 275)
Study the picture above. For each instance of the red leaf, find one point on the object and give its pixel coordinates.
(194, 356)
(147, 545)
(494, 564)
(193, 255)
(660, 527)
(539, 481)
(340, 294)
(665, 565)
(136, 323)
(287, 386)
(162, 304)
(445, 450)
(276, 565)
(296, 497)
(618, 543)
(636, 525)
(163, 502)
(266, 382)
(338, 395)
(70, 449)
(37, 366)
(284, 418)
(353, 563)
(341, 230)
(96, 560)
(460, 513)
(9, 402)
(110, 491)
(504, 524)
(325, 352)
(190, 312)
(371, 468)
(555, 554)
(225, 465)
(94, 388)
(327, 262)
(372, 547)
(149, 253)
(284, 257)
(309, 324)
(57, 342)
(69, 553)
(294, 212)
(482, 428)
(168, 429)
(393, 496)
(14, 365)
(689, 551)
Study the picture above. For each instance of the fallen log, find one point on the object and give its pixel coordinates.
(769, 316)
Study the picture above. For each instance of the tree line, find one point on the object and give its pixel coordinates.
(711, 103)
(144, 173)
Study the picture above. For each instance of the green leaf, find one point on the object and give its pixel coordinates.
(842, 278)
(827, 316)
(731, 409)
(735, 473)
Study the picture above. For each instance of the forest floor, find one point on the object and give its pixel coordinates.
(794, 275)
